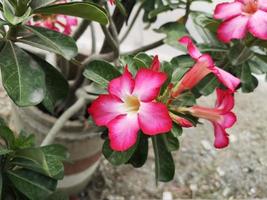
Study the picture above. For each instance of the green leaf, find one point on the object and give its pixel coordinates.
(8, 136)
(5, 151)
(51, 41)
(57, 86)
(101, 72)
(248, 81)
(258, 64)
(33, 185)
(9, 13)
(177, 130)
(139, 157)
(142, 60)
(207, 85)
(24, 141)
(174, 31)
(22, 77)
(165, 168)
(85, 10)
(116, 157)
(171, 142)
(56, 150)
(181, 64)
(185, 99)
(40, 3)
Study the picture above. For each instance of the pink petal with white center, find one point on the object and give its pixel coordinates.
(191, 48)
(155, 66)
(263, 5)
(228, 10)
(154, 118)
(148, 83)
(257, 24)
(105, 108)
(228, 120)
(122, 86)
(230, 81)
(225, 100)
(234, 28)
(221, 137)
(123, 131)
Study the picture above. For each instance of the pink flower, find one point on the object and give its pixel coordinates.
(203, 66)
(221, 116)
(59, 23)
(242, 16)
(130, 106)
(112, 2)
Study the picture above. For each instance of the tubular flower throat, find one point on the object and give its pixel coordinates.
(203, 66)
(221, 116)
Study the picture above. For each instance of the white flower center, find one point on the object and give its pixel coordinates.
(132, 104)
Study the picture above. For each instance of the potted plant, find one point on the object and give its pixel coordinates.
(133, 97)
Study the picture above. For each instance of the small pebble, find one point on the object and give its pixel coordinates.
(167, 196)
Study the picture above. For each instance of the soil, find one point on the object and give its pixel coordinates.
(237, 172)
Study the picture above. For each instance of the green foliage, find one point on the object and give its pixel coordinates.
(174, 31)
(85, 10)
(30, 172)
(22, 77)
(101, 72)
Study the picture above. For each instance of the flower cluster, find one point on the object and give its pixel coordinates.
(56, 22)
(134, 104)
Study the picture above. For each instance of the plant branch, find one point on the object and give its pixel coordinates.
(146, 47)
(82, 99)
(81, 29)
(111, 40)
(131, 24)
(187, 10)
(93, 38)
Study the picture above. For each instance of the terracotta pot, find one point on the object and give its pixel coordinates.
(84, 144)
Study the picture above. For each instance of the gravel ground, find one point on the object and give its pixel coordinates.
(238, 172)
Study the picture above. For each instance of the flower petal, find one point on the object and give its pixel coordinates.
(234, 28)
(122, 86)
(257, 24)
(202, 68)
(230, 81)
(155, 66)
(227, 10)
(105, 108)
(123, 131)
(263, 5)
(228, 120)
(225, 100)
(191, 48)
(154, 118)
(148, 83)
(221, 137)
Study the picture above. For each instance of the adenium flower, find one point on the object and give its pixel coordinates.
(221, 116)
(242, 16)
(59, 23)
(130, 105)
(203, 66)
